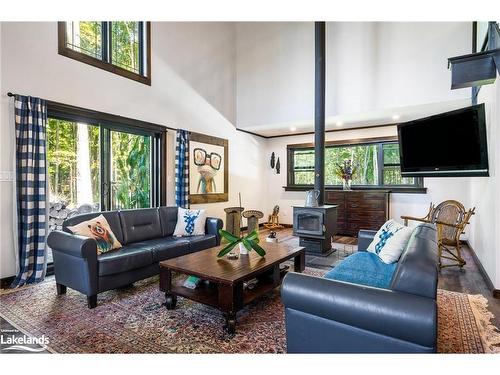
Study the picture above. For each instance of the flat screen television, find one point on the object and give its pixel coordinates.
(446, 145)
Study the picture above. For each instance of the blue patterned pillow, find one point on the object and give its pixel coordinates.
(390, 241)
(190, 223)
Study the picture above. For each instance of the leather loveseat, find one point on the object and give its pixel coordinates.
(146, 236)
(331, 316)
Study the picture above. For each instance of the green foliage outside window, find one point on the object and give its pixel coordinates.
(131, 178)
(123, 45)
(364, 156)
(62, 152)
(85, 37)
(130, 157)
(392, 170)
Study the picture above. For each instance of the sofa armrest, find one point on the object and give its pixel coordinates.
(72, 244)
(212, 226)
(75, 261)
(365, 237)
(402, 316)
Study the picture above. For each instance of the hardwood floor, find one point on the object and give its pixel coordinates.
(469, 280)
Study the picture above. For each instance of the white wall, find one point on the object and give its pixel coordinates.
(378, 65)
(485, 192)
(438, 189)
(275, 72)
(369, 66)
(193, 87)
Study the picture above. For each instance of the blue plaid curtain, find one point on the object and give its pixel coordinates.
(31, 123)
(182, 169)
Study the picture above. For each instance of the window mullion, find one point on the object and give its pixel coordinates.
(142, 42)
(104, 43)
(380, 164)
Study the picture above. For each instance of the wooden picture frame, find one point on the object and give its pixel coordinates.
(197, 198)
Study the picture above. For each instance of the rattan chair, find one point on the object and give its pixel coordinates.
(450, 218)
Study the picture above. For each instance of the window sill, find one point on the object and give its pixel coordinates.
(392, 189)
(78, 56)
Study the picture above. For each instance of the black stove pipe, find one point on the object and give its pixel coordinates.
(319, 110)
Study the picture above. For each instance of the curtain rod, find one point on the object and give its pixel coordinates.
(9, 94)
(118, 117)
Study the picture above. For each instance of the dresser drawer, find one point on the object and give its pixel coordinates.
(367, 215)
(335, 197)
(365, 204)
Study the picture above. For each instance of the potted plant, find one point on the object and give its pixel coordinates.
(249, 242)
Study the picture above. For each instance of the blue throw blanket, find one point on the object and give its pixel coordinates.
(363, 268)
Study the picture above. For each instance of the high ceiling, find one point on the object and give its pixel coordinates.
(359, 120)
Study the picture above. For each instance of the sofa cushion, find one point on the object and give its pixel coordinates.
(363, 268)
(168, 220)
(166, 247)
(197, 243)
(140, 225)
(111, 217)
(127, 258)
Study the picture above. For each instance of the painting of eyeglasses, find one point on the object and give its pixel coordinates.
(207, 169)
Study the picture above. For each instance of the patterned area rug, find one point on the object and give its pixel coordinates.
(133, 320)
(464, 324)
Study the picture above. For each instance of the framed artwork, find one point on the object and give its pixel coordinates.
(208, 169)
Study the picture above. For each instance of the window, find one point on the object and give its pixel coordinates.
(391, 169)
(74, 159)
(377, 163)
(103, 161)
(121, 47)
(100, 162)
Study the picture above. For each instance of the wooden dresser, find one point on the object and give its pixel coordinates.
(359, 209)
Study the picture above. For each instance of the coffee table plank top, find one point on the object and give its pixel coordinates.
(205, 263)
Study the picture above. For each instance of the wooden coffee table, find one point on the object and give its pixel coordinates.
(223, 286)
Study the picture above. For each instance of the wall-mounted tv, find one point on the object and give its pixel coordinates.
(446, 145)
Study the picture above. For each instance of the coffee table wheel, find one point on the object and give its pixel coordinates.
(170, 301)
(231, 323)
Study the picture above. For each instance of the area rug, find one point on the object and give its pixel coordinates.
(133, 320)
(464, 324)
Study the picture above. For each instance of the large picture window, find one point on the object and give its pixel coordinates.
(376, 160)
(121, 47)
(101, 162)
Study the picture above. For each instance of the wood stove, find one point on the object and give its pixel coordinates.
(315, 227)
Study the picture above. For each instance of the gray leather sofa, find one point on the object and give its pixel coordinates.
(330, 316)
(146, 236)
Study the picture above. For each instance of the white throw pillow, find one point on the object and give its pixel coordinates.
(190, 223)
(390, 241)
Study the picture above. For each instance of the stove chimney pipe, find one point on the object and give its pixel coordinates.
(319, 110)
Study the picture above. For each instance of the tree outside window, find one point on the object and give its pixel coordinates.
(377, 163)
(121, 47)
